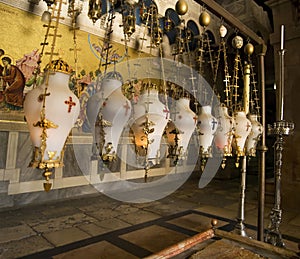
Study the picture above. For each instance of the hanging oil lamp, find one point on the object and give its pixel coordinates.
(207, 126)
(254, 136)
(181, 128)
(150, 118)
(108, 112)
(224, 134)
(51, 110)
(129, 23)
(95, 10)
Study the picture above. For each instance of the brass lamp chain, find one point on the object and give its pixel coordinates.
(254, 97)
(74, 14)
(55, 17)
(107, 39)
(192, 77)
(235, 80)
(228, 96)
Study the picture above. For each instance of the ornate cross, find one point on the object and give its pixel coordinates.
(248, 126)
(214, 122)
(70, 103)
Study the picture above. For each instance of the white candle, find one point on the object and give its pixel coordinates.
(282, 37)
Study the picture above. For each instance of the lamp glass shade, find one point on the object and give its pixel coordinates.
(115, 110)
(254, 136)
(224, 133)
(61, 112)
(207, 126)
(185, 121)
(149, 109)
(242, 130)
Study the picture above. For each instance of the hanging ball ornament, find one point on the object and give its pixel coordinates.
(223, 31)
(249, 49)
(237, 42)
(204, 19)
(181, 7)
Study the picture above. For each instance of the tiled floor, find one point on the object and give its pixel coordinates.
(100, 227)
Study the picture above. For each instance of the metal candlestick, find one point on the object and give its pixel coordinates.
(240, 228)
(280, 128)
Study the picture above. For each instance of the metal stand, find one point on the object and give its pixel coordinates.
(240, 228)
(280, 129)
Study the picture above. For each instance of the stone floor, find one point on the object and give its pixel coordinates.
(100, 227)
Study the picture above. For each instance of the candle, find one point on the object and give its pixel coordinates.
(282, 37)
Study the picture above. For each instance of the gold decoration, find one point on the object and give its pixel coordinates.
(59, 66)
(95, 10)
(249, 49)
(181, 7)
(204, 19)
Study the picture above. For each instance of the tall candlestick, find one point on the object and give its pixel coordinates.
(282, 37)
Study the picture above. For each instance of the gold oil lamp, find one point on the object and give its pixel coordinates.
(95, 10)
(129, 23)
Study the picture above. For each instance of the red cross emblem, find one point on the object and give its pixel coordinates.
(70, 103)
(195, 118)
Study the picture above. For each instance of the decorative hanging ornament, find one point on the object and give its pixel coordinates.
(242, 130)
(204, 19)
(237, 42)
(51, 110)
(223, 31)
(254, 136)
(181, 7)
(249, 48)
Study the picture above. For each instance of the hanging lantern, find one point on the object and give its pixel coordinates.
(108, 112)
(168, 24)
(51, 110)
(242, 130)
(224, 134)
(254, 136)
(157, 36)
(181, 129)
(95, 10)
(144, 12)
(129, 24)
(149, 121)
(207, 126)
